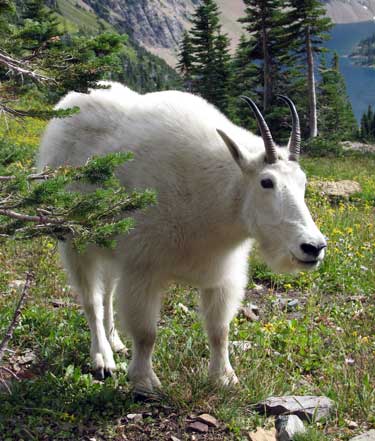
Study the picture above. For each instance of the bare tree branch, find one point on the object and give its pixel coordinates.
(32, 177)
(27, 218)
(20, 67)
(16, 315)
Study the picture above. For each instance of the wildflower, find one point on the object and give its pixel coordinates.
(269, 327)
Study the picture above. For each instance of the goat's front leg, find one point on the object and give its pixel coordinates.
(219, 304)
(139, 307)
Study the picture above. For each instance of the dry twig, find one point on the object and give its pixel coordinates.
(16, 315)
(20, 67)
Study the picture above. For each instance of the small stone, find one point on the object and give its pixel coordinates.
(367, 436)
(183, 308)
(249, 313)
(197, 426)
(27, 358)
(17, 283)
(349, 361)
(306, 407)
(287, 426)
(208, 419)
(292, 304)
(263, 435)
(134, 417)
(351, 424)
(174, 438)
(242, 345)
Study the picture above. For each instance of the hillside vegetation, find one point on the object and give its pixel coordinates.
(364, 52)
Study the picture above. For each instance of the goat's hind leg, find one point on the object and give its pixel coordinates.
(110, 286)
(85, 272)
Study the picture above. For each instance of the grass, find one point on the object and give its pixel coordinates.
(325, 347)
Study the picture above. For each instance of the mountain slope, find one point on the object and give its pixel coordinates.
(350, 11)
(158, 24)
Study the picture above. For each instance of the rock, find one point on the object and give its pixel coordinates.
(16, 283)
(292, 304)
(337, 189)
(183, 308)
(197, 426)
(242, 345)
(367, 436)
(351, 424)
(349, 361)
(263, 435)
(287, 426)
(306, 407)
(250, 313)
(208, 419)
(27, 358)
(134, 417)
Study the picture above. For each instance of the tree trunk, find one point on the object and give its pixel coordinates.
(313, 124)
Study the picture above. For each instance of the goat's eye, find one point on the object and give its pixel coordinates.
(266, 183)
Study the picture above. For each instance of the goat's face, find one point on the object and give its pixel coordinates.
(274, 210)
(279, 219)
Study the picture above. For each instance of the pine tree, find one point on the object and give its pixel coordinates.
(244, 82)
(265, 21)
(185, 60)
(335, 111)
(367, 130)
(309, 29)
(210, 51)
(32, 205)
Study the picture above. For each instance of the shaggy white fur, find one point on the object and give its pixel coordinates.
(211, 204)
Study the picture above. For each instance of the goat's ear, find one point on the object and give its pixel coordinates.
(236, 152)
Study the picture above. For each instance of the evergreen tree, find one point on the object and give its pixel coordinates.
(185, 60)
(32, 54)
(222, 74)
(210, 55)
(309, 29)
(265, 21)
(335, 111)
(367, 130)
(244, 82)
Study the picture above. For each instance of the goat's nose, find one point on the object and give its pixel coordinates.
(311, 249)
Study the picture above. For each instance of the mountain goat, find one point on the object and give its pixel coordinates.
(218, 188)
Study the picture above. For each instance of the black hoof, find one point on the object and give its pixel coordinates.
(103, 373)
(108, 373)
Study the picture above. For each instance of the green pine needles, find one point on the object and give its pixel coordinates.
(54, 207)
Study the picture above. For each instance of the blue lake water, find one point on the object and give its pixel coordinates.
(360, 80)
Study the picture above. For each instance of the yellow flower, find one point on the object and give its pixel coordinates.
(269, 327)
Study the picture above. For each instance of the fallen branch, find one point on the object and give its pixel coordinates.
(16, 315)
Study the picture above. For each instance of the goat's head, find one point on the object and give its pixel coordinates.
(274, 208)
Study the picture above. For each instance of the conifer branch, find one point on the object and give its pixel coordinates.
(19, 67)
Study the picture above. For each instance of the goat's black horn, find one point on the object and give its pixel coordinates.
(269, 144)
(295, 137)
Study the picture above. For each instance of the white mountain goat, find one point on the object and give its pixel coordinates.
(218, 187)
